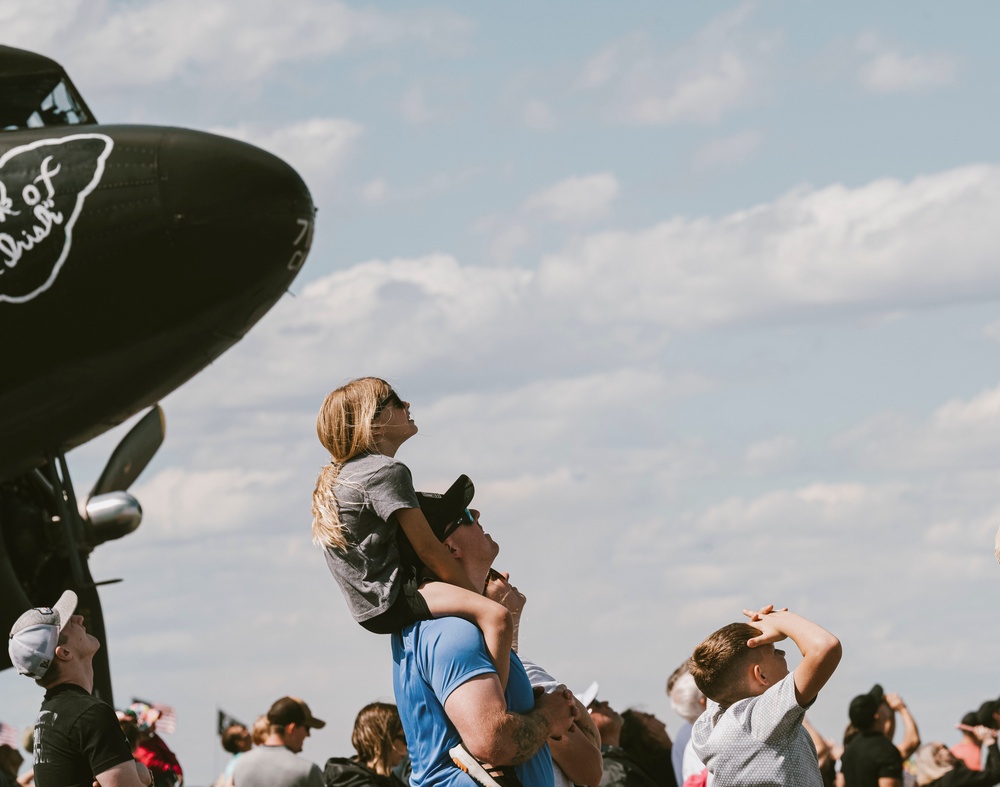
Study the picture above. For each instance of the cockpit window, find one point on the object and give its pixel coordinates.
(43, 100)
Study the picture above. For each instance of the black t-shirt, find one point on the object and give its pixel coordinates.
(620, 770)
(868, 757)
(343, 772)
(76, 737)
(961, 776)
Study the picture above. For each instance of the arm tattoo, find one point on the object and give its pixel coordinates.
(529, 733)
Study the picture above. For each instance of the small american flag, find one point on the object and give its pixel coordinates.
(167, 722)
(8, 735)
(226, 721)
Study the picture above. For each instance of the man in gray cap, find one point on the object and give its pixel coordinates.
(276, 762)
(77, 737)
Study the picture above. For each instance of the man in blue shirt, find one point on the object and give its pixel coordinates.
(447, 689)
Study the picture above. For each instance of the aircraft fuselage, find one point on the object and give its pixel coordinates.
(130, 258)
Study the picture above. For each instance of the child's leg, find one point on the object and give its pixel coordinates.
(493, 620)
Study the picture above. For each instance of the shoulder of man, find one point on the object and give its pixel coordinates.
(446, 637)
(248, 759)
(447, 652)
(80, 709)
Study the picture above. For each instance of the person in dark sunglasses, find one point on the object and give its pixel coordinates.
(375, 537)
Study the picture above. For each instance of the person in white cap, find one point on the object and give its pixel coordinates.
(77, 737)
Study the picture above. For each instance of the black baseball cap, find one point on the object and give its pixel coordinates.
(864, 707)
(445, 512)
(985, 714)
(292, 710)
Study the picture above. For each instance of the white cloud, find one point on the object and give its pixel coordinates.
(574, 199)
(727, 151)
(614, 296)
(878, 247)
(414, 107)
(149, 42)
(895, 73)
(379, 191)
(766, 455)
(867, 530)
(537, 115)
(317, 148)
(40, 27)
(992, 331)
(720, 68)
(375, 191)
(508, 239)
(700, 98)
(887, 70)
(191, 503)
(605, 65)
(960, 433)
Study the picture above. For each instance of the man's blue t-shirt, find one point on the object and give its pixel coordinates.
(431, 658)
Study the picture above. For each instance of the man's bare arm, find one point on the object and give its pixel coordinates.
(494, 735)
(578, 752)
(911, 735)
(126, 774)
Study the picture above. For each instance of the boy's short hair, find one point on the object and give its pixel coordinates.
(718, 663)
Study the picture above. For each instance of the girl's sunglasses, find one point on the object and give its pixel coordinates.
(391, 400)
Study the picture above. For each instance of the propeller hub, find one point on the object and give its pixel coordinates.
(112, 516)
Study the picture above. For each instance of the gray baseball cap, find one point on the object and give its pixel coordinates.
(35, 635)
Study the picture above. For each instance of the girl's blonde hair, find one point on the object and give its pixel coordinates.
(345, 428)
(375, 730)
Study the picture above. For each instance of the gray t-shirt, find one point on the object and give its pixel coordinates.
(275, 766)
(758, 741)
(369, 490)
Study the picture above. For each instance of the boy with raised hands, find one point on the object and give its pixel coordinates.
(751, 732)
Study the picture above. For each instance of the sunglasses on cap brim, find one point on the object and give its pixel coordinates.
(465, 518)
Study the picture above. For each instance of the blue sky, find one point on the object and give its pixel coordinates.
(703, 297)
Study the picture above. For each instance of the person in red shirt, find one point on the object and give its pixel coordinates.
(969, 750)
(153, 751)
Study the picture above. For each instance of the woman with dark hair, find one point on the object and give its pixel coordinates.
(380, 744)
(644, 737)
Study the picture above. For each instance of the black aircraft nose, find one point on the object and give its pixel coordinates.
(160, 248)
(236, 214)
(217, 183)
(191, 226)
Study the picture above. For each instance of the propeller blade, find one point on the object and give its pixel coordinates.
(132, 454)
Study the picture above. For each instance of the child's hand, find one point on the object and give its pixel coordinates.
(761, 612)
(768, 620)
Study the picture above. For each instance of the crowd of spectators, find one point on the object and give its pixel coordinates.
(880, 746)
